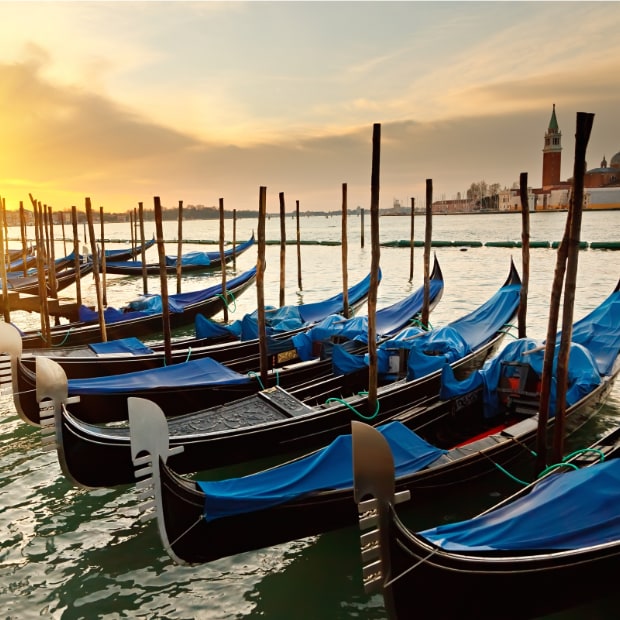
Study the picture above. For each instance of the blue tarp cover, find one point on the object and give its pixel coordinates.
(206, 328)
(583, 375)
(133, 346)
(565, 511)
(599, 332)
(430, 351)
(194, 259)
(282, 319)
(110, 315)
(595, 345)
(389, 321)
(329, 468)
(152, 304)
(483, 323)
(198, 372)
(315, 311)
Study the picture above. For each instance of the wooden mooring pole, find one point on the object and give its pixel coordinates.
(374, 269)
(179, 265)
(104, 283)
(94, 254)
(234, 239)
(362, 228)
(299, 284)
(282, 249)
(345, 268)
(411, 243)
(223, 261)
(22, 230)
(260, 285)
(525, 256)
(41, 259)
(582, 137)
(163, 276)
(428, 236)
(76, 255)
(145, 279)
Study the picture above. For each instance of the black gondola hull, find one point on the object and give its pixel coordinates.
(232, 436)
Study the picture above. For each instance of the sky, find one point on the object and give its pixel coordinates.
(199, 101)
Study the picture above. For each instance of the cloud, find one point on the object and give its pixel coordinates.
(193, 102)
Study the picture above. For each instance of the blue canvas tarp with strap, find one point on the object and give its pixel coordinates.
(564, 511)
(200, 372)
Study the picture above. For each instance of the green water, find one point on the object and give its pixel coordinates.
(73, 553)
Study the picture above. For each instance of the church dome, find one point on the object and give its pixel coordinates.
(615, 161)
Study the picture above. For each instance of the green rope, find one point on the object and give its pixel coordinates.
(555, 466)
(224, 298)
(564, 462)
(600, 453)
(352, 408)
(251, 373)
(505, 471)
(417, 322)
(502, 331)
(189, 352)
(550, 468)
(60, 343)
(507, 333)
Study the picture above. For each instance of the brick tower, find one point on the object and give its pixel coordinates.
(552, 153)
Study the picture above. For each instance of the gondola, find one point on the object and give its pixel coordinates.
(16, 262)
(142, 318)
(65, 275)
(121, 254)
(126, 355)
(552, 546)
(16, 253)
(191, 262)
(200, 521)
(274, 422)
(184, 387)
(65, 272)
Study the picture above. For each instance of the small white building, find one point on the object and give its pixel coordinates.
(510, 199)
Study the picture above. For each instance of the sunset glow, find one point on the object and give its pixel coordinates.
(122, 101)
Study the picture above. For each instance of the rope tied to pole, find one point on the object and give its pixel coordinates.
(61, 343)
(417, 322)
(224, 297)
(352, 408)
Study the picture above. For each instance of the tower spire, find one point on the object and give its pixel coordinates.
(552, 153)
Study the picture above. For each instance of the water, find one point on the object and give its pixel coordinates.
(72, 553)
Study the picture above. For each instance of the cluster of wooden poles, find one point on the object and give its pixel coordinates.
(45, 258)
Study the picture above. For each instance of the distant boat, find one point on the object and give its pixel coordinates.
(190, 262)
(141, 317)
(121, 254)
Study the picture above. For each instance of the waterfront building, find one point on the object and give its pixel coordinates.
(601, 184)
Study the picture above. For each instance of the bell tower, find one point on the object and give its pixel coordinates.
(552, 153)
